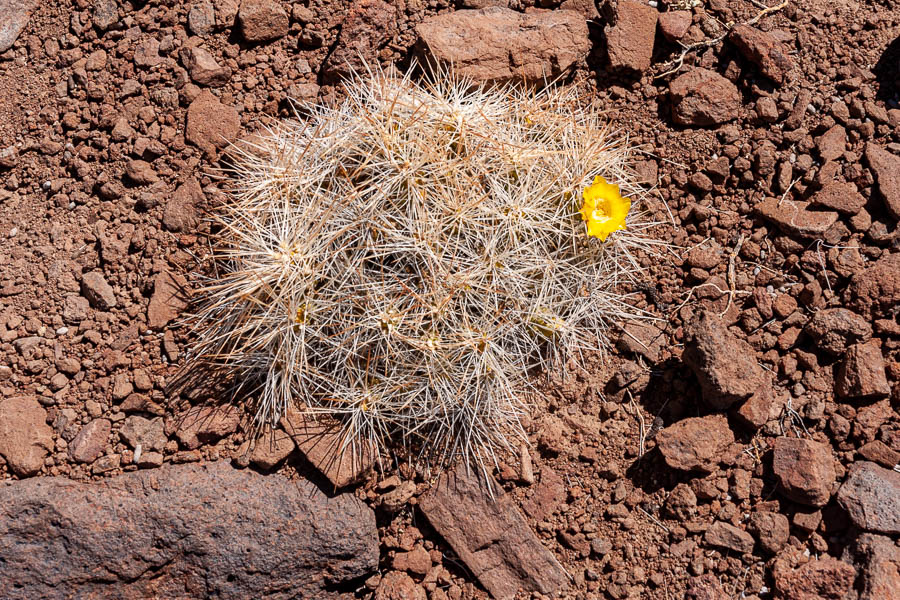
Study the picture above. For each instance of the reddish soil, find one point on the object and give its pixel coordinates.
(93, 147)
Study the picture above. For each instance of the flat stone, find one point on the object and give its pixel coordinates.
(832, 143)
(726, 535)
(499, 45)
(149, 434)
(871, 496)
(724, 365)
(181, 531)
(14, 16)
(702, 98)
(879, 452)
(210, 124)
(99, 293)
(25, 439)
(839, 196)
(861, 374)
(825, 578)
(491, 537)
(629, 42)
(140, 172)
(262, 20)
(90, 442)
(206, 424)
(180, 213)
(326, 447)
(695, 443)
(794, 217)
(271, 448)
(549, 494)
(835, 329)
(168, 300)
(805, 470)
(886, 168)
(763, 50)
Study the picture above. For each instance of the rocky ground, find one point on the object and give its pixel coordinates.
(742, 446)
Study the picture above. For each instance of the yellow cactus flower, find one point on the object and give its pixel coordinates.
(604, 208)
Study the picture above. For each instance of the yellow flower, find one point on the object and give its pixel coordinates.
(604, 208)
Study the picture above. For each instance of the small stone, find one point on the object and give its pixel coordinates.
(794, 217)
(878, 558)
(766, 109)
(725, 366)
(871, 496)
(25, 437)
(416, 561)
(271, 448)
(695, 443)
(760, 48)
(879, 452)
(106, 14)
(168, 300)
(203, 68)
(834, 329)
(201, 18)
(629, 42)
(397, 585)
(674, 24)
(105, 464)
(262, 20)
(805, 470)
(149, 434)
(97, 291)
(150, 460)
(826, 578)
(549, 494)
(842, 197)
(771, 529)
(146, 54)
(140, 172)
(876, 290)
(861, 374)
(180, 213)
(832, 143)
(681, 503)
(702, 98)
(211, 124)
(725, 535)
(90, 442)
(886, 168)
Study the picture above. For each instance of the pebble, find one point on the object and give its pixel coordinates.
(805, 470)
(703, 98)
(871, 496)
(262, 20)
(695, 443)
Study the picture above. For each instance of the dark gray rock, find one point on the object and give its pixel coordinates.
(187, 531)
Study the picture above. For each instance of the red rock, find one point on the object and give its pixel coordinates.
(725, 366)
(725, 535)
(211, 124)
(822, 579)
(879, 452)
(168, 300)
(705, 587)
(886, 168)
(876, 290)
(203, 68)
(271, 448)
(14, 16)
(149, 434)
(842, 197)
(90, 442)
(805, 470)
(368, 26)
(771, 528)
(206, 424)
(702, 97)
(417, 561)
(498, 44)
(861, 374)
(834, 329)
(549, 494)
(262, 20)
(398, 586)
(180, 213)
(764, 51)
(674, 24)
(879, 560)
(325, 446)
(681, 503)
(187, 531)
(794, 217)
(695, 443)
(871, 496)
(832, 143)
(629, 42)
(99, 293)
(25, 437)
(490, 536)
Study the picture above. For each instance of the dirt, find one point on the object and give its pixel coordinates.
(770, 166)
